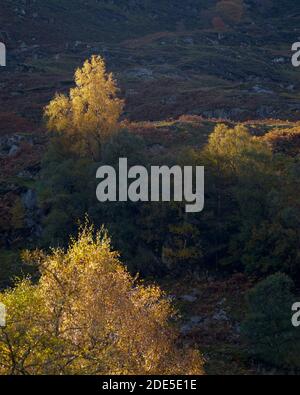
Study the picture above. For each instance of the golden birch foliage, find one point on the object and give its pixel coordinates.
(89, 116)
(234, 149)
(87, 315)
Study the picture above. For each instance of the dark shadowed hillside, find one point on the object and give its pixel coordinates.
(171, 57)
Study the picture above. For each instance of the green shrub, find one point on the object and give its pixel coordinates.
(268, 326)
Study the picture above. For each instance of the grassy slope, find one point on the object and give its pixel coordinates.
(88, 19)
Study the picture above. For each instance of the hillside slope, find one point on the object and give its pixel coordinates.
(183, 67)
(170, 57)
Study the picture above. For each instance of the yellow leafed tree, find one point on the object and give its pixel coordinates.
(236, 150)
(89, 116)
(87, 315)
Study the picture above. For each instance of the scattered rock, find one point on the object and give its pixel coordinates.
(222, 302)
(220, 315)
(29, 199)
(13, 150)
(260, 90)
(193, 323)
(196, 319)
(189, 298)
(237, 329)
(185, 329)
(26, 174)
(188, 40)
(278, 60)
(10, 145)
(141, 73)
(157, 149)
